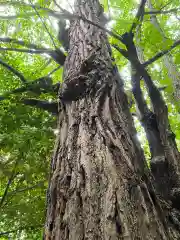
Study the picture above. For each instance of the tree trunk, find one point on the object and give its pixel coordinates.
(99, 188)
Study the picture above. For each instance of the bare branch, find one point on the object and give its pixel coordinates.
(31, 51)
(69, 16)
(161, 54)
(174, 10)
(122, 51)
(57, 54)
(43, 24)
(10, 68)
(11, 178)
(58, 5)
(54, 70)
(165, 5)
(40, 184)
(51, 107)
(19, 42)
(139, 15)
(65, 15)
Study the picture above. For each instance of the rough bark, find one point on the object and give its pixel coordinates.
(165, 161)
(98, 188)
(160, 169)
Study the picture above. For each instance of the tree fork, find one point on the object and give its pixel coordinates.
(98, 187)
(165, 168)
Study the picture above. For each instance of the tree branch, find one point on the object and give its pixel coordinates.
(49, 12)
(65, 15)
(161, 54)
(51, 107)
(34, 7)
(26, 189)
(122, 51)
(12, 177)
(54, 70)
(20, 42)
(10, 68)
(139, 15)
(38, 86)
(58, 5)
(173, 10)
(31, 51)
(58, 56)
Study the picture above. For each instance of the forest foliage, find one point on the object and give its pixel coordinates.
(28, 39)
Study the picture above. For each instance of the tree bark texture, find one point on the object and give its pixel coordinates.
(164, 152)
(99, 188)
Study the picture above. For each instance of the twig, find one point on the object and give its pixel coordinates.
(160, 54)
(174, 10)
(54, 70)
(43, 24)
(169, 2)
(10, 68)
(58, 5)
(24, 4)
(57, 54)
(12, 177)
(19, 42)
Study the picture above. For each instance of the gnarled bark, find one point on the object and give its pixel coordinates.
(99, 188)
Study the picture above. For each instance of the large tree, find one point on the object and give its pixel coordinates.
(100, 187)
(100, 184)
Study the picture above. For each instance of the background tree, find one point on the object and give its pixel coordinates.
(27, 133)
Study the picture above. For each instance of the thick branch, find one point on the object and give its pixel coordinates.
(57, 54)
(161, 54)
(35, 51)
(40, 184)
(10, 180)
(10, 68)
(51, 107)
